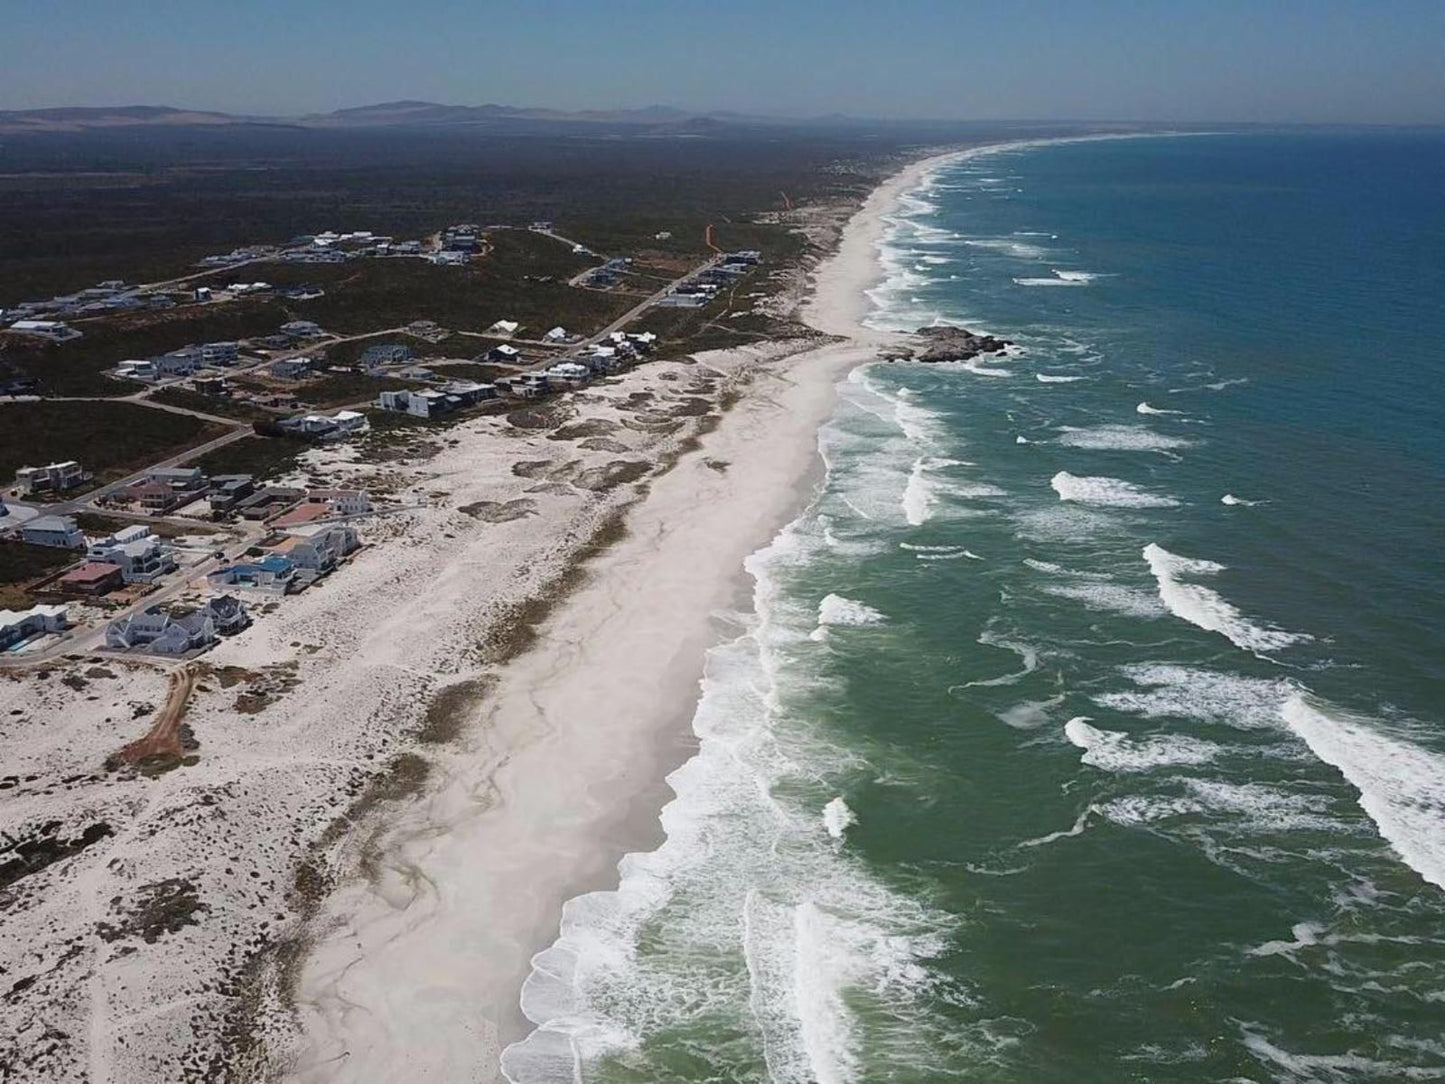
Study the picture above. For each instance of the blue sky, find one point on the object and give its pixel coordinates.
(1185, 60)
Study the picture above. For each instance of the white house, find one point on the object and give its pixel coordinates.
(504, 329)
(59, 531)
(569, 374)
(272, 575)
(51, 478)
(17, 626)
(321, 551)
(419, 404)
(344, 502)
(137, 370)
(141, 557)
(55, 330)
(556, 335)
(160, 633)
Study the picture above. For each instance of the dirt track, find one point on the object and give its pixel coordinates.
(164, 739)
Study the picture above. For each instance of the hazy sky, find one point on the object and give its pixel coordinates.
(1189, 60)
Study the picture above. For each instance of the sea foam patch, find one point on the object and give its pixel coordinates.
(1119, 438)
(1206, 608)
(1108, 492)
(1114, 751)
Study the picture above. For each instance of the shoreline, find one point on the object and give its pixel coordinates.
(564, 772)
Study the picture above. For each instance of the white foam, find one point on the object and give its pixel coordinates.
(745, 878)
(1060, 278)
(918, 497)
(1207, 609)
(1145, 408)
(1019, 249)
(1231, 499)
(1108, 492)
(1166, 691)
(1120, 438)
(838, 817)
(958, 556)
(1051, 378)
(1401, 785)
(1113, 598)
(1114, 751)
(1027, 653)
(836, 610)
(1030, 714)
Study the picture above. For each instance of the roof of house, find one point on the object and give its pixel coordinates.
(225, 606)
(91, 572)
(14, 617)
(303, 513)
(50, 523)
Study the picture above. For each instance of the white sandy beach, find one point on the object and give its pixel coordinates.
(419, 971)
(412, 969)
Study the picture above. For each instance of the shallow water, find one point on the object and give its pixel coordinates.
(1089, 724)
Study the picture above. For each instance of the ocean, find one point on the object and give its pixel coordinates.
(1090, 725)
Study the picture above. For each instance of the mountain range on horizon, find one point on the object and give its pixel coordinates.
(404, 113)
(410, 113)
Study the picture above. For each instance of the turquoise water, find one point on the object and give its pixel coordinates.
(1092, 723)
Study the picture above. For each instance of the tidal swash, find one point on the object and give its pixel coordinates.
(1091, 722)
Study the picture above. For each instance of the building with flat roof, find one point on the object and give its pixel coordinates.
(51, 478)
(20, 626)
(91, 578)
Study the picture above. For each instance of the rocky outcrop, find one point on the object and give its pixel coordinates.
(950, 344)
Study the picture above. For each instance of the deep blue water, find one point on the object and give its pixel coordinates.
(1091, 725)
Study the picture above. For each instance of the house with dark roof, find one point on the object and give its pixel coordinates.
(227, 613)
(161, 633)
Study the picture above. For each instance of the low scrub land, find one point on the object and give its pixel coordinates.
(110, 439)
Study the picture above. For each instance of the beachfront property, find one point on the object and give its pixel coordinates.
(161, 633)
(343, 502)
(58, 531)
(90, 578)
(503, 329)
(268, 502)
(51, 478)
(318, 552)
(557, 335)
(427, 329)
(338, 426)
(56, 331)
(19, 627)
(227, 613)
(227, 490)
(525, 385)
(269, 575)
(419, 404)
(508, 355)
(468, 392)
(140, 555)
(568, 374)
